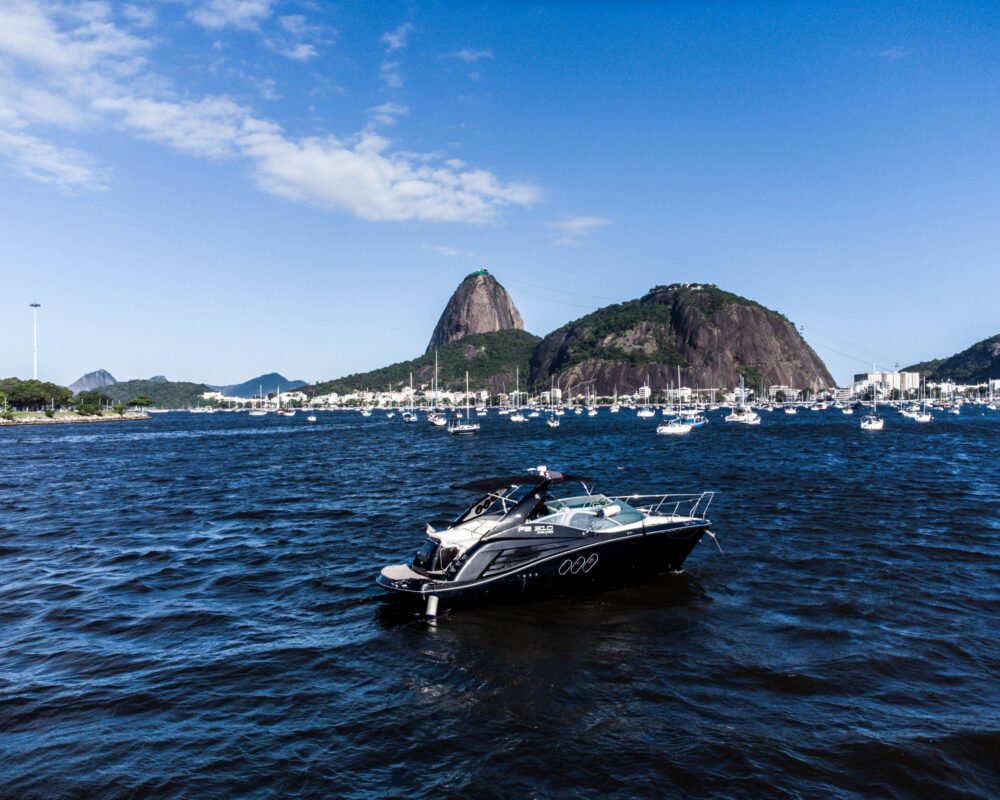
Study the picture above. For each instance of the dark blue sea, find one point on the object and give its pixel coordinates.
(188, 610)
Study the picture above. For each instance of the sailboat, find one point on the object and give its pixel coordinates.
(467, 427)
(676, 424)
(742, 412)
(260, 411)
(516, 415)
(553, 420)
(645, 411)
(282, 412)
(434, 416)
(409, 415)
(873, 422)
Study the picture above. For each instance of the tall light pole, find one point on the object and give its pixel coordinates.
(34, 349)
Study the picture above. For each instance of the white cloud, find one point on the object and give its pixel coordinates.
(140, 17)
(894, 53)
(244, 14)
(363, 178)
(387, 114)
(471, 56)
(295, 24)
(42, 161)
(69, 68)
(298, 52)
(397, 39)
(389, 70)
(572, 229)
(450, 252)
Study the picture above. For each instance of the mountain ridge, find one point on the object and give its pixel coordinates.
(978, 363)
(713, 336)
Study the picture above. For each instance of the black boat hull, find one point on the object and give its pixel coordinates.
(597, 562)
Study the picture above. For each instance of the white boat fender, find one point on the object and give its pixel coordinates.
(432, 607)
(609, 511)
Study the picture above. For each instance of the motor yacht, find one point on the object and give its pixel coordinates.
(527, 535)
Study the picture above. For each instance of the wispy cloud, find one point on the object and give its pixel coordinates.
(140, 17)
(571, 229)
(65, 167)
(387, 114)
(397, 39)
(296, 52)
(895, 53)
(244, 14)
(471, 56)
(69, 68)
(389, 71)
(451, 252)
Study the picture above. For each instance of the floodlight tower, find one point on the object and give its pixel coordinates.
(34, 349)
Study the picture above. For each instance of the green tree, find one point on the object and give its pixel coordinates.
(119, 409)
(141, 401)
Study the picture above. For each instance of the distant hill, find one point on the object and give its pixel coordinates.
(479, 305)
(164, 394)
(492, 360)
(976, 364)
(713, 336)
(93, 380)
(270, 382)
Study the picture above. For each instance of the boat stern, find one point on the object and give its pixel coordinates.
(402, 579)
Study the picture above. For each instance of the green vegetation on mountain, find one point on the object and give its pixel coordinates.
(712, 335)
(975, 364)
(163, 394)
(491, 359)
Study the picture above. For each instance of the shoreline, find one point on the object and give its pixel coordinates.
(133, 416)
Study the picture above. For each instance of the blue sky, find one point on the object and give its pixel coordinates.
(211, 189)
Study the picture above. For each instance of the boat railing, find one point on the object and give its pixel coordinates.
(694, 506)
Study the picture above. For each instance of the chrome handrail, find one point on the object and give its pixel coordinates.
(656, 502)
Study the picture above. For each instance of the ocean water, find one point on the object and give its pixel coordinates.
(188, 609)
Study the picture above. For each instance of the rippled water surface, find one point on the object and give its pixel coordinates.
(188, 609)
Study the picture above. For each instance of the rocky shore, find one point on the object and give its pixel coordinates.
(68, 419)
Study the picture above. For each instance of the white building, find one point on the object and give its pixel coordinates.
(886, 382)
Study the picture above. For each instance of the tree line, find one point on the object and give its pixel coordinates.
(35, 395)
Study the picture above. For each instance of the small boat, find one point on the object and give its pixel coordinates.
(791, 410)
(871, 422)
(552, 421)
(516, 416)
(458, 428)
(286, 412)
(258, 412)
(743, 414)
(673, 427)
(645, 412)
(311, 418)
(519, 538)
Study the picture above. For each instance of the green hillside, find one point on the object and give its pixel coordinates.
(164, 394)
(975, 364)
(491, 359)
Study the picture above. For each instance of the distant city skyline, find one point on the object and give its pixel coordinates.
(214, 189)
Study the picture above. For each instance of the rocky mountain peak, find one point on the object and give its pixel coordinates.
(479, 305)
(97, 379)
